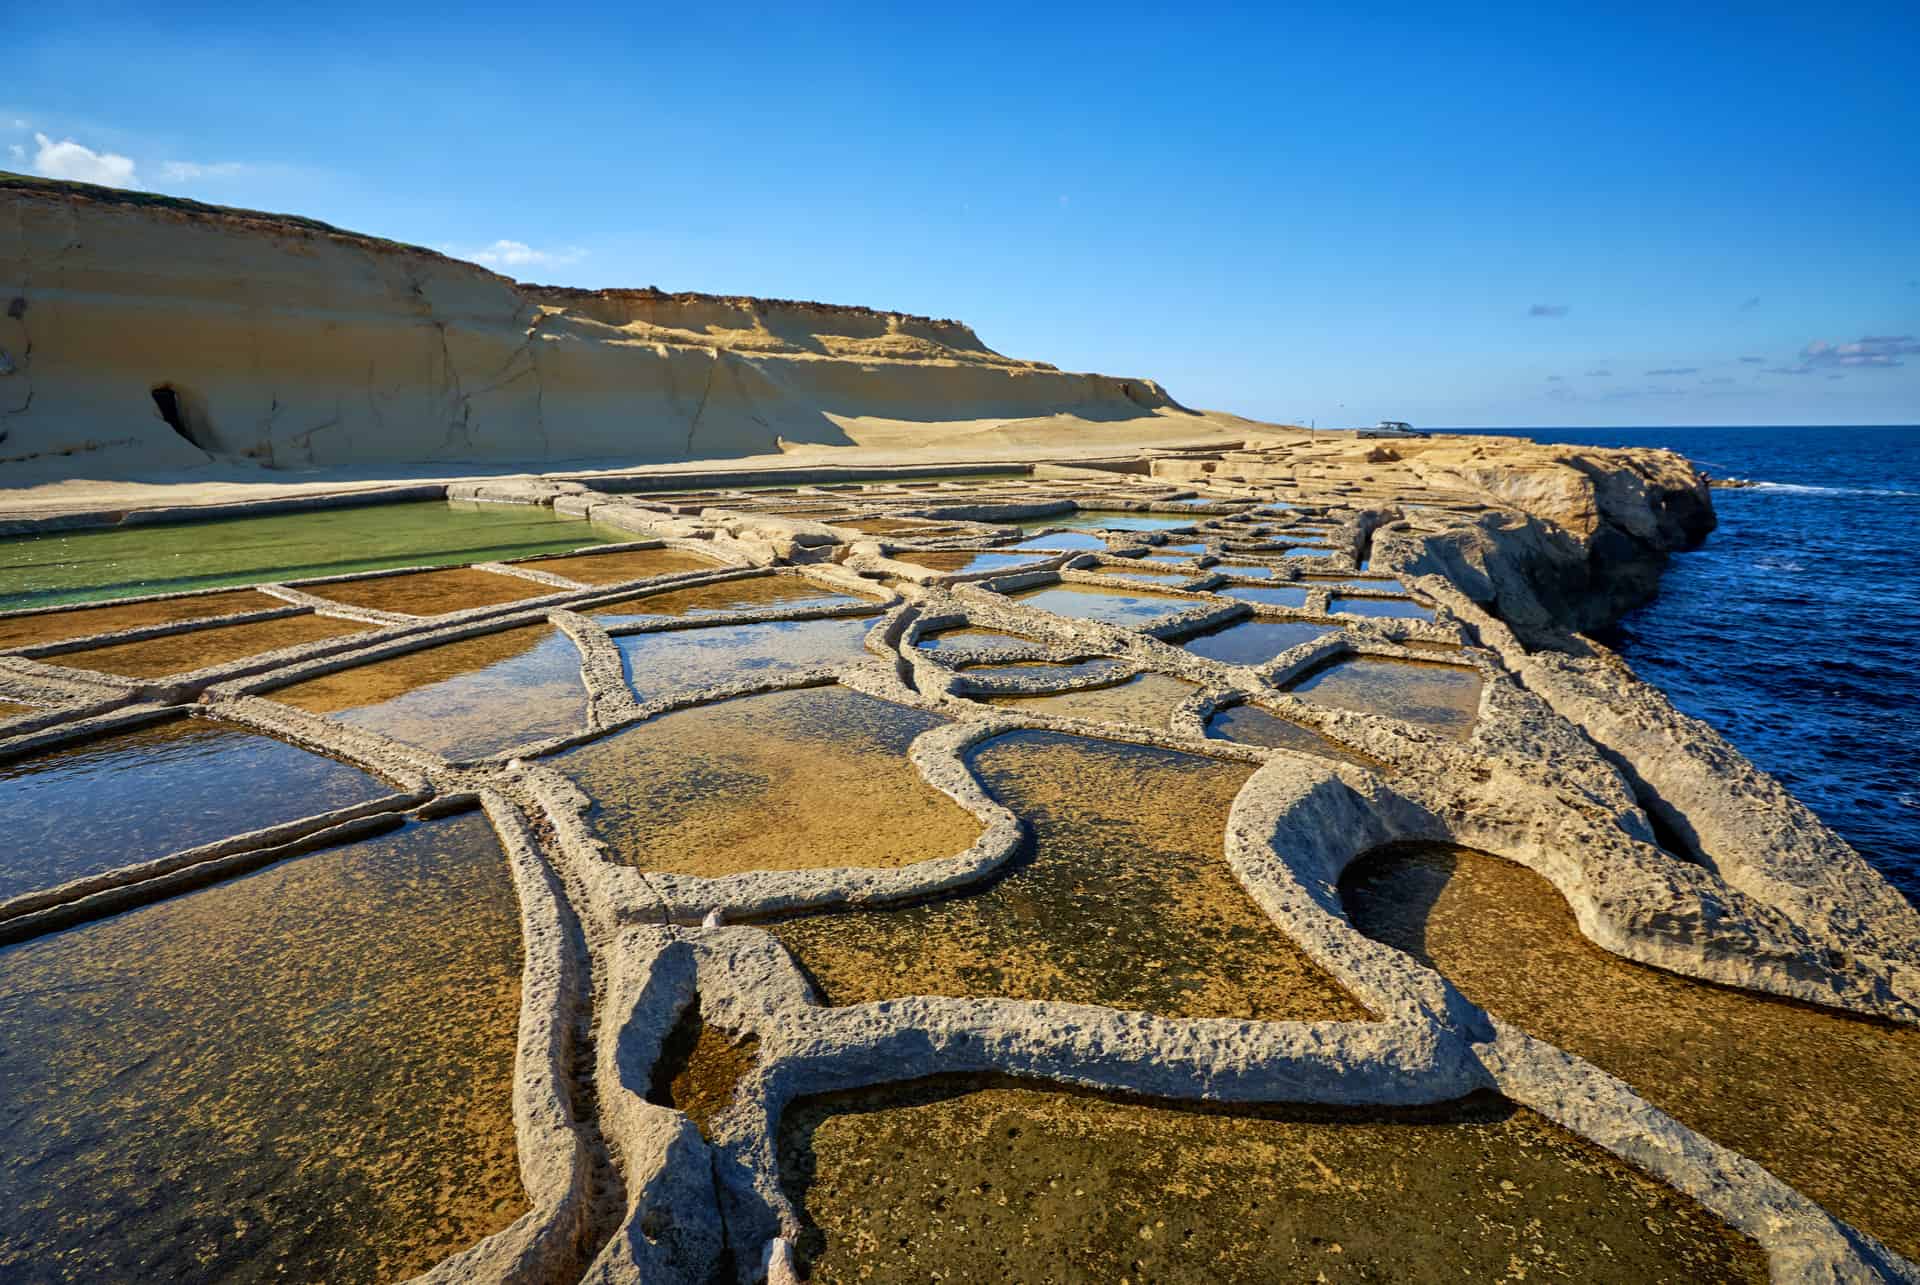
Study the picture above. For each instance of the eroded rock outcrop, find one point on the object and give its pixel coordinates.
(142, 334)
(1559, 538)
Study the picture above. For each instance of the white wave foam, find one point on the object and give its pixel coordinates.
(1797, 488)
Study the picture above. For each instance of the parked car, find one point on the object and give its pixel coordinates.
(1392, 428)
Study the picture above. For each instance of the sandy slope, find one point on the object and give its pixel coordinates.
(291, 352)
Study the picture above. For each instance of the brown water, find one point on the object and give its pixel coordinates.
(626, 564)
(701, 1067)
(749, 593)
(1253, 642)
(1122, 898)
(1443, 697)
(989, 1180)
(431, 593)
(1146, 699)
(678, 660)
(1126, 607)
(787, 780)
(204, 648)
(1251, 725)
(57, 626)
(301, 1074)
(462, 699)
(107, 803)
(1829, 1103)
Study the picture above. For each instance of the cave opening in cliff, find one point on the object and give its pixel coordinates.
(167, 398)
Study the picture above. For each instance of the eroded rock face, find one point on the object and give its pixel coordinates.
(1555, 537)
(142, 333)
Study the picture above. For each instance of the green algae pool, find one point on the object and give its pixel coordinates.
(80, 566)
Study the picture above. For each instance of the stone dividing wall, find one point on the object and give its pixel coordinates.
(629, 1190)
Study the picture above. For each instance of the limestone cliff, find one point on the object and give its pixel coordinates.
(142, 333)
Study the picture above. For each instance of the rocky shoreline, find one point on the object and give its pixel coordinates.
(1669, 848)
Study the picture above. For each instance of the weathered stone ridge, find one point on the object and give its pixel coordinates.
(1104, 916)
(142, 334)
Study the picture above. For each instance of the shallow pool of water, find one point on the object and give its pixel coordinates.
(679, 660)
(1043, 670)
(624, 564)
(44, 570)
(1099, 602)
(1251, 725)
(1829, 1103)
(1123, 897)
(988, 1179)
(964, 561)
(971, 636)
(1273, 595)
(1145, 699)
(1061, 542)
(1146, 574)
(1388, 608)
(788, 780)
(1105, 520)
(215, 645)
(463, 699)
(301, 1074)
(57, 626)
(130, 797)
(1253, 642)
(432, 593)
(749, 593)
(1445, 698)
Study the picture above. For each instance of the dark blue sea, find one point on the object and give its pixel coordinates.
(1795, 629)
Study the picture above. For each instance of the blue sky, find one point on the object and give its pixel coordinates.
(1337, 213)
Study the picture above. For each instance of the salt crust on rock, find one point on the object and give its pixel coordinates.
(1567, 749)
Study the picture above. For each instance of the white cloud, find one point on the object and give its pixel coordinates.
(69, 160)
(518, 254)
(1873, 350)
(18, 123)
(189, 171)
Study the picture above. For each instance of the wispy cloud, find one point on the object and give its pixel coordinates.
(1754, 361)
(1873, 350)
(1788, 370)
(1673, 370)
(1750, 303)
(1555, 379)
(1719, 379)
(18, 153)
(1599, 374)
(67, 159)
(518, 254)
(1547, 310)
